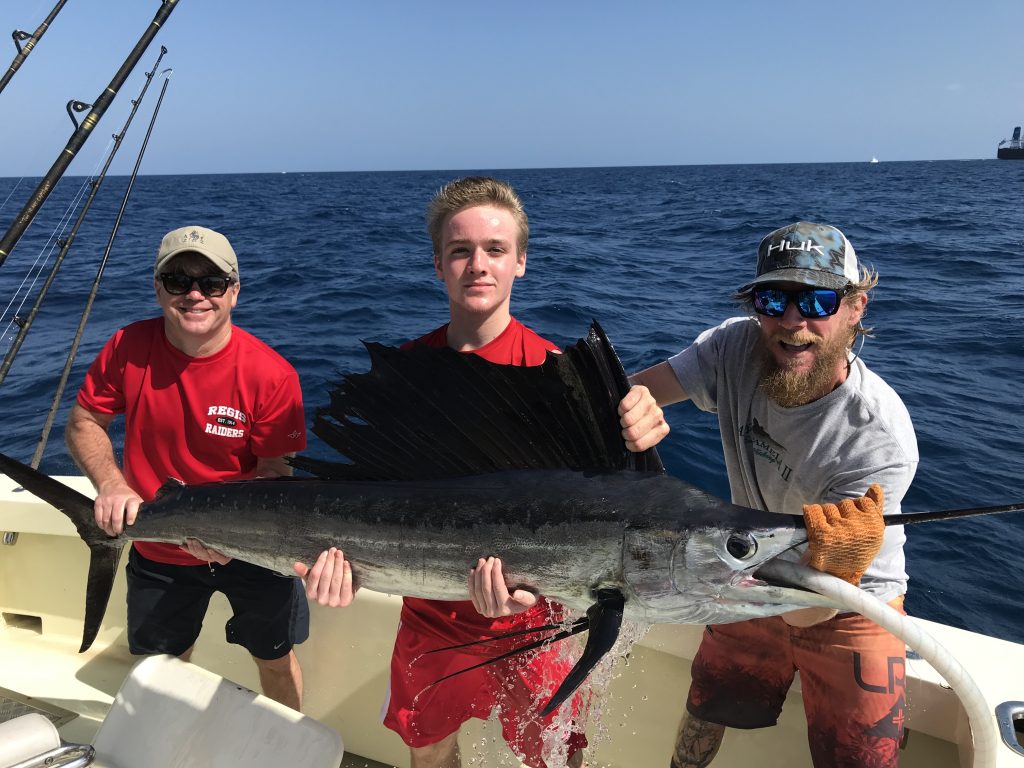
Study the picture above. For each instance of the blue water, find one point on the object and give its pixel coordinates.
(652, 253)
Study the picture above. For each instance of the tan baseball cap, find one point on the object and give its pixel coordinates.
(213, 245)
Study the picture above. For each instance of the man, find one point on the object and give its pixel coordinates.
(479, 232)
(203, 401)
(801, 419)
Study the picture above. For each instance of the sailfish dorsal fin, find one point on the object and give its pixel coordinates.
(426, 413)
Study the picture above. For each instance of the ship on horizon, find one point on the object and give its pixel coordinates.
(1012, 148)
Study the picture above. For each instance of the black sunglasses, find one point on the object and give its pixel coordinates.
(211, 286)
(812, 303)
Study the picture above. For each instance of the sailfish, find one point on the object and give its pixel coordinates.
(448, 458)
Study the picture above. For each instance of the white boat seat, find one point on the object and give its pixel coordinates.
(172, 713)
(32, 741)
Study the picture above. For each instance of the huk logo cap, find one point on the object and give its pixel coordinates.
(213, 245)
(812, 254)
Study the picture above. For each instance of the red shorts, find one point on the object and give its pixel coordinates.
(852, 673)
(518, 687)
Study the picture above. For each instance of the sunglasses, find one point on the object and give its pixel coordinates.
(812, 303)
(211, 286)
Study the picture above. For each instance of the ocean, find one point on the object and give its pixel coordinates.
(329, 260)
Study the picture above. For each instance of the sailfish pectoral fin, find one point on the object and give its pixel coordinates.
(578, 626)
(604, 619)
(576, 629)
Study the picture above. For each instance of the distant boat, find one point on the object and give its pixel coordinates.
(874, 159)
(1011, 149)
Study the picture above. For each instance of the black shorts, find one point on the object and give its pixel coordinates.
(167, 603)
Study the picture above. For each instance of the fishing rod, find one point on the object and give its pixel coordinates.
(65, 244)
(30, 42)
(82, 132)
(66, 373)
(908, 518)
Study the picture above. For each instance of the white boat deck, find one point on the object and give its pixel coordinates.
(345, 666)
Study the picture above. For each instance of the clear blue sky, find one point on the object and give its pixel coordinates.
(319, 85)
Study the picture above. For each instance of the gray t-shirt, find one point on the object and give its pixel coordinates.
(779, 459)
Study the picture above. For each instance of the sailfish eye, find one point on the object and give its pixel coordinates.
(742, 546)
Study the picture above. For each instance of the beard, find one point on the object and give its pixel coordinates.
(789, 387)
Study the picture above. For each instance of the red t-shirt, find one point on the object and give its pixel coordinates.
(516, 345)
(197, 419)
(458, 621)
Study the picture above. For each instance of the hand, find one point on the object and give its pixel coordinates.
(489, 594)
(329, 581)
(206, 554)
(843, 539)
(116, 506)
(643, 423)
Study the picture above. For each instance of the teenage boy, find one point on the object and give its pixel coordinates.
(479, 232)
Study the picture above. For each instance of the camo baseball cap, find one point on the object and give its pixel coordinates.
(812, 254)
(213, 245)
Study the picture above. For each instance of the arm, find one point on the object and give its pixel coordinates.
(662, 384)
(117, 504)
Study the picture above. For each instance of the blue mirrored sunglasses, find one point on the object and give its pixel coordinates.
(812, 303)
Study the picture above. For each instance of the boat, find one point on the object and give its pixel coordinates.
(874, 160)
(634, 710)
(1012, 148)
(636, 700)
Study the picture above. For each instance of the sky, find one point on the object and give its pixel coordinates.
(336, 85)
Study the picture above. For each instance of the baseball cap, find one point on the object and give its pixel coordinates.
(213, 245)
(812, 254)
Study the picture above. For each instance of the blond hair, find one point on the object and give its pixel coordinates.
(469, 192)
(868, 280)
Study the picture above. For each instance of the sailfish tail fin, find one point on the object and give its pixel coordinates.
(104, 551)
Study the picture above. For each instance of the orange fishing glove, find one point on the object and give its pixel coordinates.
(843, 539)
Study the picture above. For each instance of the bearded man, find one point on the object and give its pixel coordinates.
(805, 426)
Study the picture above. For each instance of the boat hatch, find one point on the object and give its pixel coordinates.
(1010, 715)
